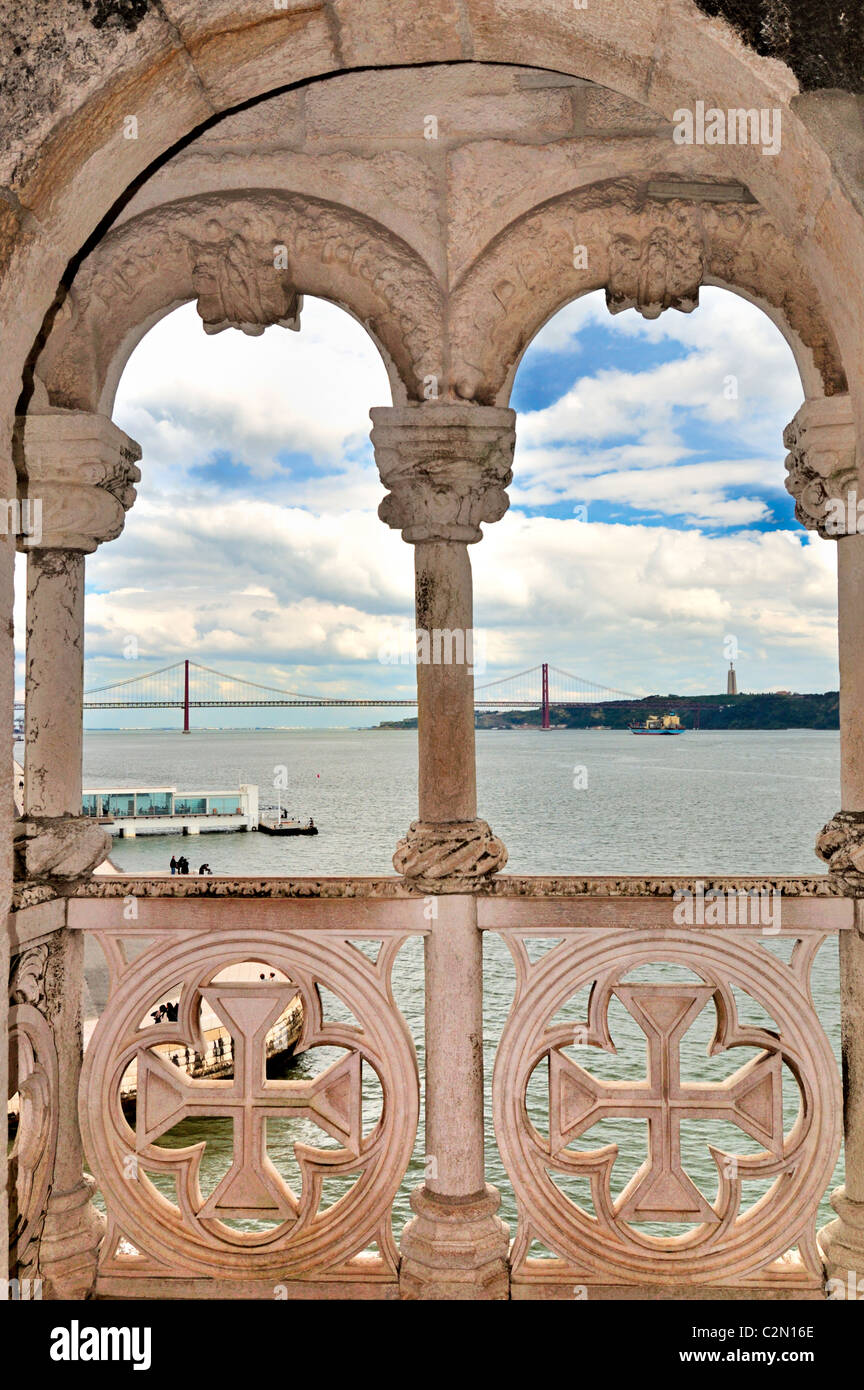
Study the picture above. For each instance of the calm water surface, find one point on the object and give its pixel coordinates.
(563, 801)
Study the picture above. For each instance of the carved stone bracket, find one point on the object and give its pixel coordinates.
(58, 847)
(27, 977)
(241, 282)
(821, 464)
(446, 468)
(661, 270)
(449, 857)
(82, 470)
(841, 844)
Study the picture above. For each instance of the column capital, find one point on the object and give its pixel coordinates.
(841, 844)
(82, 470)
(821, 463)
(445, 468)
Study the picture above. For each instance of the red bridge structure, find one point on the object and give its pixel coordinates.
(188, 685)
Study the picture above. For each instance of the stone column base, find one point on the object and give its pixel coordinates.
(455, 1248)
(842, 1241)
(449, 856)
(71, 1237)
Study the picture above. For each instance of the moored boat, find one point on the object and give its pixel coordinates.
(663, 724)
(275, 826)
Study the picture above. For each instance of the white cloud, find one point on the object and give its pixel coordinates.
(738, 376)
(185, 394)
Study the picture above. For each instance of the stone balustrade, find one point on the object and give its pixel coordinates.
(312, 938)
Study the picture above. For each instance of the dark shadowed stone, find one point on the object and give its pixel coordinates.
(126, 13)
(822, 42)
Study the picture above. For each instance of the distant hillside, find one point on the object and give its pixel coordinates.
(714, 712)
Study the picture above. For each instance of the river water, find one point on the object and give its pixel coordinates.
(563, 801)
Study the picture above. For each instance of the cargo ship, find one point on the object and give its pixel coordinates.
(658, 724)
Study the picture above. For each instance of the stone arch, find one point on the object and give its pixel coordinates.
(273, 246)
(72, 164)
(647, 253)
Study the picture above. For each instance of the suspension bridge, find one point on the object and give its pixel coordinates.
(187, 685)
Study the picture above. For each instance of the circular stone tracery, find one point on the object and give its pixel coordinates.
(724, 1245)
(193, 1238)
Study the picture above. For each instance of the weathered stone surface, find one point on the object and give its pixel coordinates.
(278, 121)
(608, 112)
(455, 1250)
(823, 44)
(836, 118)
(331, 251)
(563, 886)
(57, 55)
(821, 464)
(27, 982)
(612, 46)
(660, 271)
(841, 842)
(59, 847)
(465, 101)
(242, 48)
(240, 284)
(82, 470)
(449, 857)
(445, 467)
(527, 273)
(405, 33)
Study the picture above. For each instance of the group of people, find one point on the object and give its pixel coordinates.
(166, 1013)
(181, 866)
(285, 816)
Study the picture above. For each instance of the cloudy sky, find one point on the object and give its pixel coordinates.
(648, 520)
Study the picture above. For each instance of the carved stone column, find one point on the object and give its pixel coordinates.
(81, 470)
(841, 844)
(446, 468)
(824, 480)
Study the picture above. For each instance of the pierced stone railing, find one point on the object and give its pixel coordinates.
(255, 1237)
(600, 943)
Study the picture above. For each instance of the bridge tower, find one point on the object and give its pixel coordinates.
(544, 699)
(186, 696)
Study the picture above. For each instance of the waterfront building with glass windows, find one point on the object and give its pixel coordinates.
(130, 811)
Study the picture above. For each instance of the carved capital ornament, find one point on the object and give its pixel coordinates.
(821, 472)
(81, 470)
(446, 468)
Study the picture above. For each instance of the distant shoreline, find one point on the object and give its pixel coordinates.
(709, 712)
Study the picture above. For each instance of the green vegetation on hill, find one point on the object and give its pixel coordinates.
(713, 712)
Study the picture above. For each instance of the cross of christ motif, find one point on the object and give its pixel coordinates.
(751, 1099)
(252, 1187)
